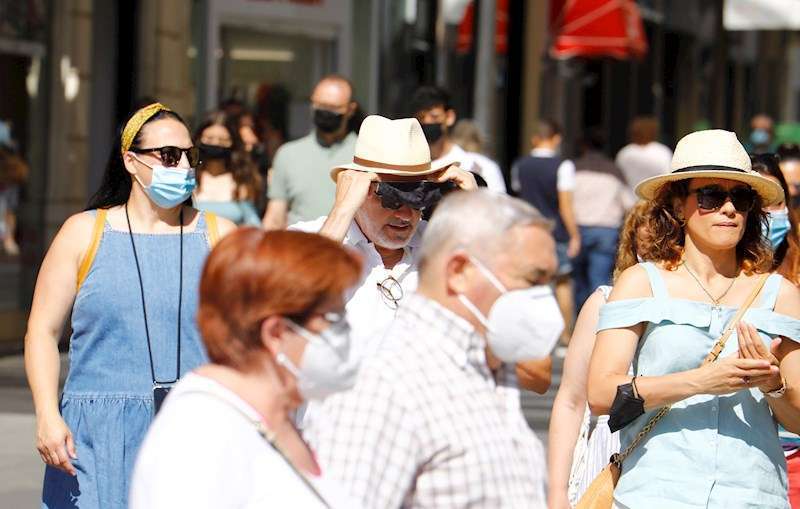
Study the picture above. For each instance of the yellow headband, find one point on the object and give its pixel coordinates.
(137, 121)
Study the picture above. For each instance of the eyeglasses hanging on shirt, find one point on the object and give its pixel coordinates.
(391, 289)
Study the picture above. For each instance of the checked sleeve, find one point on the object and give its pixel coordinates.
(366, 440)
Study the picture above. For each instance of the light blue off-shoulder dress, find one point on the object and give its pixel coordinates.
(709, 451)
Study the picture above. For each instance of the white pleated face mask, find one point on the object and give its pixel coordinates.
(522, 324)
(327, 366)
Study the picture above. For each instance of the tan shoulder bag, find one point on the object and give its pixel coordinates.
(600, 494)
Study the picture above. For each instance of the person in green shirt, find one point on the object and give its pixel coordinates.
(301, 188)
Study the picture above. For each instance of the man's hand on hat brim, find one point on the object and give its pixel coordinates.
(462, 178)
(352, 189)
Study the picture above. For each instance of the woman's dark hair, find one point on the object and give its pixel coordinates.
(667, 237)
(789, 151)
(115, 189)
(787, 255)
(428, 97)
(241, 165)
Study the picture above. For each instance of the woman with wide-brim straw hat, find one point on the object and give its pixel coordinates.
(716, 443)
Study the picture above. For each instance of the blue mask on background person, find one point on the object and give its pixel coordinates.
(169, 187)
(777, 227)
(759, 137)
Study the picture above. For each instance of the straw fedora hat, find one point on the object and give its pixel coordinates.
(712, 154)
(391, 147)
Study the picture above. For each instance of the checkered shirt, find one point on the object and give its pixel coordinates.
(428, 425)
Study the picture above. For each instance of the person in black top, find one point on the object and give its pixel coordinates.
(547, 181)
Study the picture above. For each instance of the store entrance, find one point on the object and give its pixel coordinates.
(273, 74)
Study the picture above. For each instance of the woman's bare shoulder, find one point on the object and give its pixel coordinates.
(633, 283)
(788, 301)
(78, 226)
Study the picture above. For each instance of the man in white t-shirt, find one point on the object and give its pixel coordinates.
(644, 157)
(431, 106)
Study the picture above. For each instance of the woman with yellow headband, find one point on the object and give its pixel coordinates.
(127, 269)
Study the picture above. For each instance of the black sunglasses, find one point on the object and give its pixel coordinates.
(417, 195)
(171, 156)
(714, 197)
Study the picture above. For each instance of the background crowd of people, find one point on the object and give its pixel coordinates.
(348, 322)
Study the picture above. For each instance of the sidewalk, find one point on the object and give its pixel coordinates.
(21, 469)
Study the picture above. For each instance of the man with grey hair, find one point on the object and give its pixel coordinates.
(434, 418)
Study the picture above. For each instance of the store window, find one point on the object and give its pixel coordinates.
(274, 73)
(23, 139)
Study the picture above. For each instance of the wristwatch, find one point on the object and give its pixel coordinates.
(779, 392)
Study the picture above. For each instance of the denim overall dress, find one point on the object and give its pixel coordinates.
(108, 396)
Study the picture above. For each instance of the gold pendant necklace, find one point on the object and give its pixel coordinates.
(715, 300)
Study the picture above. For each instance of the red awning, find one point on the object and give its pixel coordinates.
(596, 28)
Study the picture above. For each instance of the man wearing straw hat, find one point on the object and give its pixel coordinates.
(380, 199)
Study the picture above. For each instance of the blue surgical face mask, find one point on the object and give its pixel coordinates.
(759, 137)
(169, 187)
(777, 227)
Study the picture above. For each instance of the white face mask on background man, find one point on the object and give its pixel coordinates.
(522, 324)
(326, 366)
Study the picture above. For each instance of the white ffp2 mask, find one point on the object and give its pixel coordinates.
(327, 365)
(522, 324)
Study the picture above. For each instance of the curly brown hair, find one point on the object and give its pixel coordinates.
(629, 239)
(668, 238)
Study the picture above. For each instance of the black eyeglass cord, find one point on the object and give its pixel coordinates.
(144, 308)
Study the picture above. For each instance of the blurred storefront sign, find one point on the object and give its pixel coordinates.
(466, 35)
(596, 28)
(761, 15)
(261, 49)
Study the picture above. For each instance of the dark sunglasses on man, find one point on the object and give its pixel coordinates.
(171, 156)
(713, 197)
(418, 195)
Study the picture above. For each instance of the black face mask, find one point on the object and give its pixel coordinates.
(417, 195)
(208, 152)
(328, 121)
(433, 132)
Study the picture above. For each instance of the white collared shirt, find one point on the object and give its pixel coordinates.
(368, 312)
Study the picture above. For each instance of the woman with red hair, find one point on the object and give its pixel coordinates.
(272, 318)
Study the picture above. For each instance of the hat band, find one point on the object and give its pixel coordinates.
(403, 167)
(710, 167)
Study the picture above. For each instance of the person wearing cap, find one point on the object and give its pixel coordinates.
(434, 420)
(127, 270)
(717, 445)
